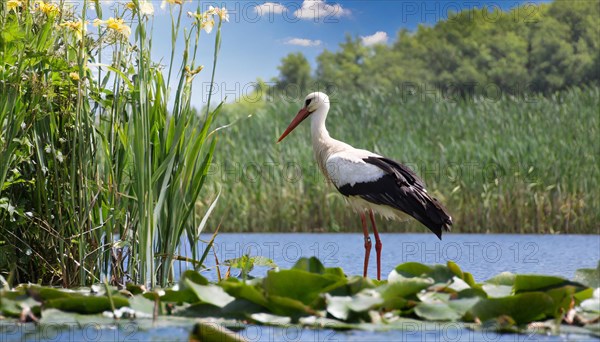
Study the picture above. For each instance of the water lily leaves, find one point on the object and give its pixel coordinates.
(536, 282)
(194, 277)
(210, 294)
(497, 291)
(86, 304)
(439, 273)
(300, 285)
(42, 294)
(522, 308)
(185, 295)
(312, 265)
(452, 310)
(288, 307)
(405, 288)
(504, 278)
(213, 332)
(341, 307)
(142, 305)
(240, 289)
(589, 276)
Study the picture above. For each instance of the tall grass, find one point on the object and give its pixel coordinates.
(102, 163)
(514, 165)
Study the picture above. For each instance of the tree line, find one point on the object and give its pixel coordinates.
(539, 48)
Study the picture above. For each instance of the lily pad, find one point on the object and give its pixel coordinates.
(589, 276)
(449, 311)
(299, 285)
(504, 278)
(536, 282)
(86, 304)
(523, 308)
(213, 332)
(211, 294)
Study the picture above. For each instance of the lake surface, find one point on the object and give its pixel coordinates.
(482, 255)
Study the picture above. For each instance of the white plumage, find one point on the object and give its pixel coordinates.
(370, 182)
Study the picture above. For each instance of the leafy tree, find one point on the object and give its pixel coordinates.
(344, 68)
(294, 73)
(541, 48)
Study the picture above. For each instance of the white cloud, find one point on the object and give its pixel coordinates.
(302, 42)
(378, 37)
(318, 9)
(269, 8)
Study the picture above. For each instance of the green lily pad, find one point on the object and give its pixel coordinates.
(404, 288)
(240, 289)
(284, 306)
(589, 276)
(192, 276)
(213, 332)
(299, 285)
(312, 265)
(497, 291)
(504, 278)
(535, 282)
(523, 308)
(439, 273)
(186, 295)
(211, 294)
(86, 304)
(43, 294)
(449, 311)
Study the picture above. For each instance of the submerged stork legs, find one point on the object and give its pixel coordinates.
(378, 244)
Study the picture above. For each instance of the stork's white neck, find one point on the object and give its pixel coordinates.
(323, 145)
(319, 132)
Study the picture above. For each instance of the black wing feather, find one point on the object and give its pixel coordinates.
(402, 189)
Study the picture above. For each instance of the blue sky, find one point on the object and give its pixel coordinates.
(260, 33)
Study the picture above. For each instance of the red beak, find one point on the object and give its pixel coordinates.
(302, 114)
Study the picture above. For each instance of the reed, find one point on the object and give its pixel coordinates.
(103, 162)
(507, 164)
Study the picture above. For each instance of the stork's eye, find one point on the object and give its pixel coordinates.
(307, 102)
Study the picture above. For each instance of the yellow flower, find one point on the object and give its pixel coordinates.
(115, 24)
(75, 26)
(74, 76)
(13, 5)
(47, 8)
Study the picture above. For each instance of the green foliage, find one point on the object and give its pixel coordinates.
(294, 71)
(531, 48)
(312, 295)
(506, 164)
(102, 164)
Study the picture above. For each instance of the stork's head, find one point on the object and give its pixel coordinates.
(313, 102)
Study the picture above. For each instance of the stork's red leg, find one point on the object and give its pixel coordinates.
(378, 244)
(367, 243)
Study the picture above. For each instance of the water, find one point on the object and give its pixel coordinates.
(482, 255)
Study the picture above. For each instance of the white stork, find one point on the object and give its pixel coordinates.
(370, 182)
